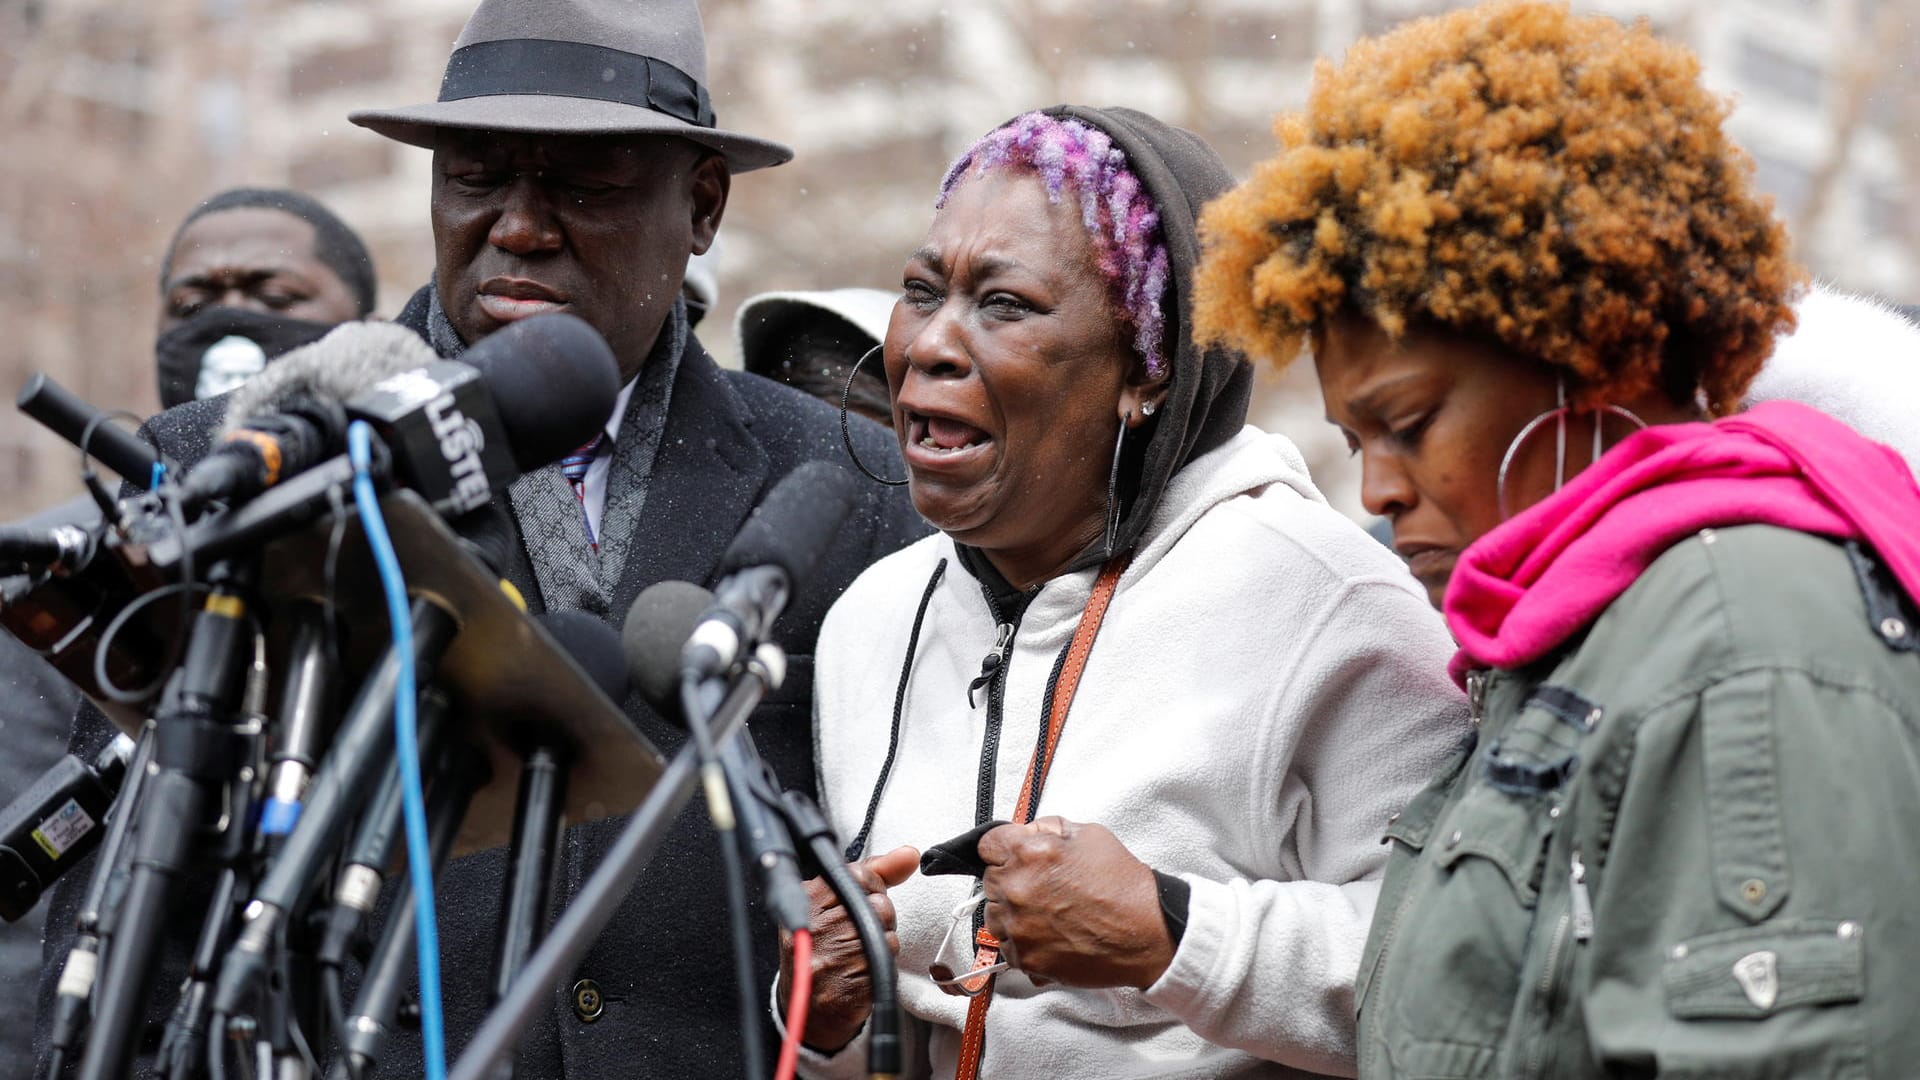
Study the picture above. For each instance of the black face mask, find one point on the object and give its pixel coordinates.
(221, 347)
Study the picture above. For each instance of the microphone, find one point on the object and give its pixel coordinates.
(658, 625)
(457, 430)
(555, 380)
(364, 867)
(522, 397)
(55, 823)
(59, 550)
(540, 804)
(300, 726)
(661, 619)
(771, 556)
(67, 416)
(291, 416)
(342, 785)
(525, 396)
(594, 646)
(389, 970)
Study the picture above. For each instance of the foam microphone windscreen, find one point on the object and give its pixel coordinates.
(554, 383)
(351, 358)
(795, 524)
(593, 645)
(658, 625)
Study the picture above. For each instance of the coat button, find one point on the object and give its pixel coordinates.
(587, 1002)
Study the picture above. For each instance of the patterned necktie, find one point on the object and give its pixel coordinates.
(574, 467)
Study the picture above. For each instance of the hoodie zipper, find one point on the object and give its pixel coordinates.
(993, 676)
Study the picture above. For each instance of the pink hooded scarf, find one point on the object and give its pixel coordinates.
(1523, 589)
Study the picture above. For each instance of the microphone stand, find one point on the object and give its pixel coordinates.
(196, 756)
(883, 1026)
(538, 821)
(463, 771)
(179, 1055)
(794, 815)
(337, 790)
(610, 883)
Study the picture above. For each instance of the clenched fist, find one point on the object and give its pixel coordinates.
(1071, 904)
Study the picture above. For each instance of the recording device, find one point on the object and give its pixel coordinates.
(771, 556)
(56, 822)
(455, 432)
(74, 420)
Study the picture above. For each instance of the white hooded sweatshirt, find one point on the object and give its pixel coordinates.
(1855, 359)
(1269, 686)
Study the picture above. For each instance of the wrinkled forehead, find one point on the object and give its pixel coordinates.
(1007, 214)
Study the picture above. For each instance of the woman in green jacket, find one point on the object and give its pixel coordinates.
(1532, 273)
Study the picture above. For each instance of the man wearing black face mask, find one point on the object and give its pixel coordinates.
(253, 273)
(250, 274)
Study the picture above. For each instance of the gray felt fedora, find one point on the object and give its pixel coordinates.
(578, 67)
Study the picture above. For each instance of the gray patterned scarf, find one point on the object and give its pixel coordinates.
(571, 575)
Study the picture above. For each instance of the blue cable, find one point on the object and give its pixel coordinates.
(406, 747)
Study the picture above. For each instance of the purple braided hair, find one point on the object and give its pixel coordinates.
(1119, 213)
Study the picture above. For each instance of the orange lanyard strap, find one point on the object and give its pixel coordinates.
(987, 951)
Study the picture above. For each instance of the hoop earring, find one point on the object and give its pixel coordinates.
(846, 435)
(1113, 487)
(1558, 413)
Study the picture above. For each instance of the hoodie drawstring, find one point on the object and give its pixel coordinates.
(859, 843)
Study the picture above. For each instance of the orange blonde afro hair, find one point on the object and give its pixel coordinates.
(1558, 184)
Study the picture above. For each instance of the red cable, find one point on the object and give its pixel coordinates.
(797, 999)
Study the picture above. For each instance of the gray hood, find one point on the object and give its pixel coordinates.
(1207, 402)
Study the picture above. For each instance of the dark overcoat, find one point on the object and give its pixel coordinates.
(663, 965)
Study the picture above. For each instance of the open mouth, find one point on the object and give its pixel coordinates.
(943, 435)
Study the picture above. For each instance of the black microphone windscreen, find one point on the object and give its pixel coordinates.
(658, 625)
(794, 525)
(554, 383)
(493, 535)
(350, 359)
(593, 645)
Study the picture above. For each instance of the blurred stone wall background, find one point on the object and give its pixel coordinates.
(118, 115)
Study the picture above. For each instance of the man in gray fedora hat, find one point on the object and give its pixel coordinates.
(576, 166)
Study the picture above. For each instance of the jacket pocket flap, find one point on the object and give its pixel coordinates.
(1510, 833)
(1754, 972)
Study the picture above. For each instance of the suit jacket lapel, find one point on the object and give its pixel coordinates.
(635, 452)
(555, 539)
(706, 477)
